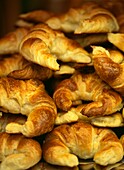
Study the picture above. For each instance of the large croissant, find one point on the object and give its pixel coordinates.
(45, 46)
(10, 42)
(89, 18)
(108, 70)
(18, 152)
(87, 87)
(67, 142)
(30, 99)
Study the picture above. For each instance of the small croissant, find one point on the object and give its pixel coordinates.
(109, 71)
(9, 63)
(32, 71)
(44, 46)
(10, 42)
(87, 87)
(66, 143)
(89, 18)
(29, 98)
(18, 152)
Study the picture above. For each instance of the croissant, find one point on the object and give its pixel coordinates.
(45, 46)
(7, 118)
(18, 152)
(117, 39)
(29, 98)
(75, 114)
(32, 71)
(89, 18)
(10, 42)
(109, 71)
(36, 16)
(9, 63)
(87, 87)
(81, 140)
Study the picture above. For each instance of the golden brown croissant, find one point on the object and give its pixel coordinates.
(67, 142)
(11, 62)
(89, 18)
(87, 87)
(29, 98)
(10, 42)
(32, 71)
(108, 70)
(45, 46)
(18, 152)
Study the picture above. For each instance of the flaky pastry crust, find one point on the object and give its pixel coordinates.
(44, 46)
(29, 98)
(67, 142)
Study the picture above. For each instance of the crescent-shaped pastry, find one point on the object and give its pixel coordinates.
(89, 18)
(45, 46)
(87, 87)
(18, 152)
(81, 140)
(109, 71)
(75, 114)
(29, 98)
(10, 42)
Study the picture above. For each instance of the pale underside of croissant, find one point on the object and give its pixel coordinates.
(7, 118)
(84, 141)
(109, 71)
(30, 99)
(87, 87)
(10, 42)
(18, 152)
(89, 18)
(117, 39)
(74, 115)
(45, 46)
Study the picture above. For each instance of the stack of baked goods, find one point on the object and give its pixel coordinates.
(62, 89)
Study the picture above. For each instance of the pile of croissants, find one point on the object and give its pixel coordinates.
(62, 89)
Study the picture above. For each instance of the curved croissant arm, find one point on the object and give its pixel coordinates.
(81, 140)
(87, 87)
(45, 46)
(109, 71)
(18, 152)
(11, 62)
(75, 114)
(30, 99)
(32, 71)
(10, 42)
